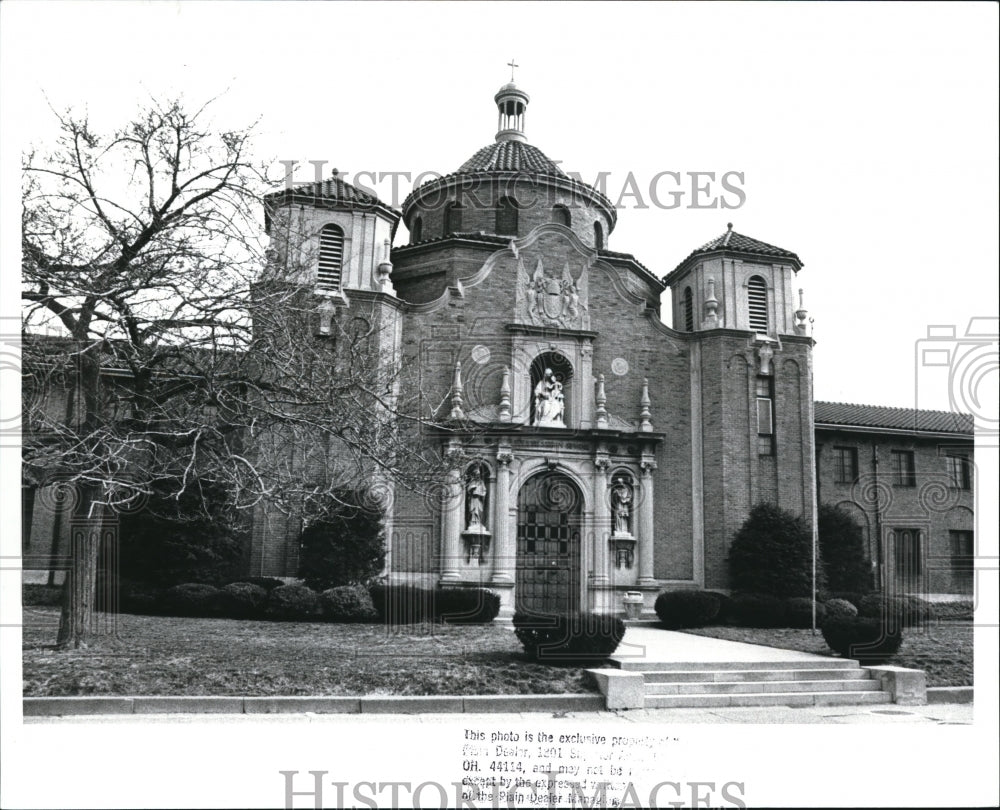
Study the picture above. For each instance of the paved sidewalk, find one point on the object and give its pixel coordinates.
(940, 714)
(654, 645)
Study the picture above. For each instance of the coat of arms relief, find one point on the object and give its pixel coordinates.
(551, 298)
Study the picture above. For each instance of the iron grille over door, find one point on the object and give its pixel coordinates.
(548, 545)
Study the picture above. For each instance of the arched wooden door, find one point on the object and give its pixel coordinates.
(549, 518)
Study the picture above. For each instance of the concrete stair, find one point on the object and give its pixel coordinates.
(815, 682)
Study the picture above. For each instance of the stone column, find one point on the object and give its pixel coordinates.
(504, 551)
(646, 578)
(602, 520)
(451, 526)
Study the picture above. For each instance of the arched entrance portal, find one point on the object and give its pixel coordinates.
(549, 518)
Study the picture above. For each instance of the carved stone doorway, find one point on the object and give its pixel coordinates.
(549, 519)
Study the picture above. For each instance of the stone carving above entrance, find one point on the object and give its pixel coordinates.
(553, 283)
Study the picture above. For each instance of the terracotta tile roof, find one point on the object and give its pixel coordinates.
(731, 240)
(738, 243)
(333, 190)
(511, 156)
(878, 416)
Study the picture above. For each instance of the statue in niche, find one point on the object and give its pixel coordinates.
(475, 499)
(621, 506)
(549, 401)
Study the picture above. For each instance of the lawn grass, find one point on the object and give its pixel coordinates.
(942, 649)
(157, 655)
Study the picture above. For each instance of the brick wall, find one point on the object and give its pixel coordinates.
(932, 505)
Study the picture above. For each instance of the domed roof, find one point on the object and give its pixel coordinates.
(511, 156)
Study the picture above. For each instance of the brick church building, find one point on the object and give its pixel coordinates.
(607, 446)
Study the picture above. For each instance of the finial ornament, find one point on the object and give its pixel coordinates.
(800, 316)
(513, 65)
(711, 320)
(602, 400)
(645, 423)
(456, 393)
(504, 410)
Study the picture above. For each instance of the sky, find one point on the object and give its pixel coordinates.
(866, 135)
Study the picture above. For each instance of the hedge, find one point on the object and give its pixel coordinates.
(903, 611)
(347, 603)
(409, 604)
(193, 599)
(244, 600)
(840, 609)
(572, 638)
(679, 609)
(756, 610)
(292, 603)
(868, 640)
(799, 612)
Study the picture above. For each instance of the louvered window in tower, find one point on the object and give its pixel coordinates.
(331, 258)
(688, 310)
(757, 304)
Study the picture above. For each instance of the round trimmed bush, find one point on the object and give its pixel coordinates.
(756, 610)
(854, 597)
(678, 609)
(904, 611)
(840, 609)
(466, 605)
(798, 612)
(402, 604)
(865, 639)
(292, 603)
(267, 583)
(193, 599)
(573, 638)
(243, 600)
(725, 606)
(347, 603)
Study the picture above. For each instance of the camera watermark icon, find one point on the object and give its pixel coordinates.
(965, 364)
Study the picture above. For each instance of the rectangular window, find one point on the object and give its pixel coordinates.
(962, 557)
(959, 472)
(845, 465)
(903, 469)
(765, 417)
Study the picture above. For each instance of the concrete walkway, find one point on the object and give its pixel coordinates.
(652, 645)
(944, 714)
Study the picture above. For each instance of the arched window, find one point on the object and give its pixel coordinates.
(757, 304)
(598, 236)
(507, 216)
(331, 258)
(688, 310)
(416, 229)
(551, 377)
(452, 218)
(561, 215)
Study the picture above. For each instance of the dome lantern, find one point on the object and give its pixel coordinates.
(511, 103)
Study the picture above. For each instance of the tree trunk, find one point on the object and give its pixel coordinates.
(76, 624)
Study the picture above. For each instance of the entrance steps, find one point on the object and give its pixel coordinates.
(765, 684)
(654, 668)
(664, 685)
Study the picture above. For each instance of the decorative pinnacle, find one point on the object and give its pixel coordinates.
(645, 424)
(456, 393)
(504, 410)
(602, 399)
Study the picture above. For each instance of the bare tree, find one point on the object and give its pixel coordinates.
(185, 362)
